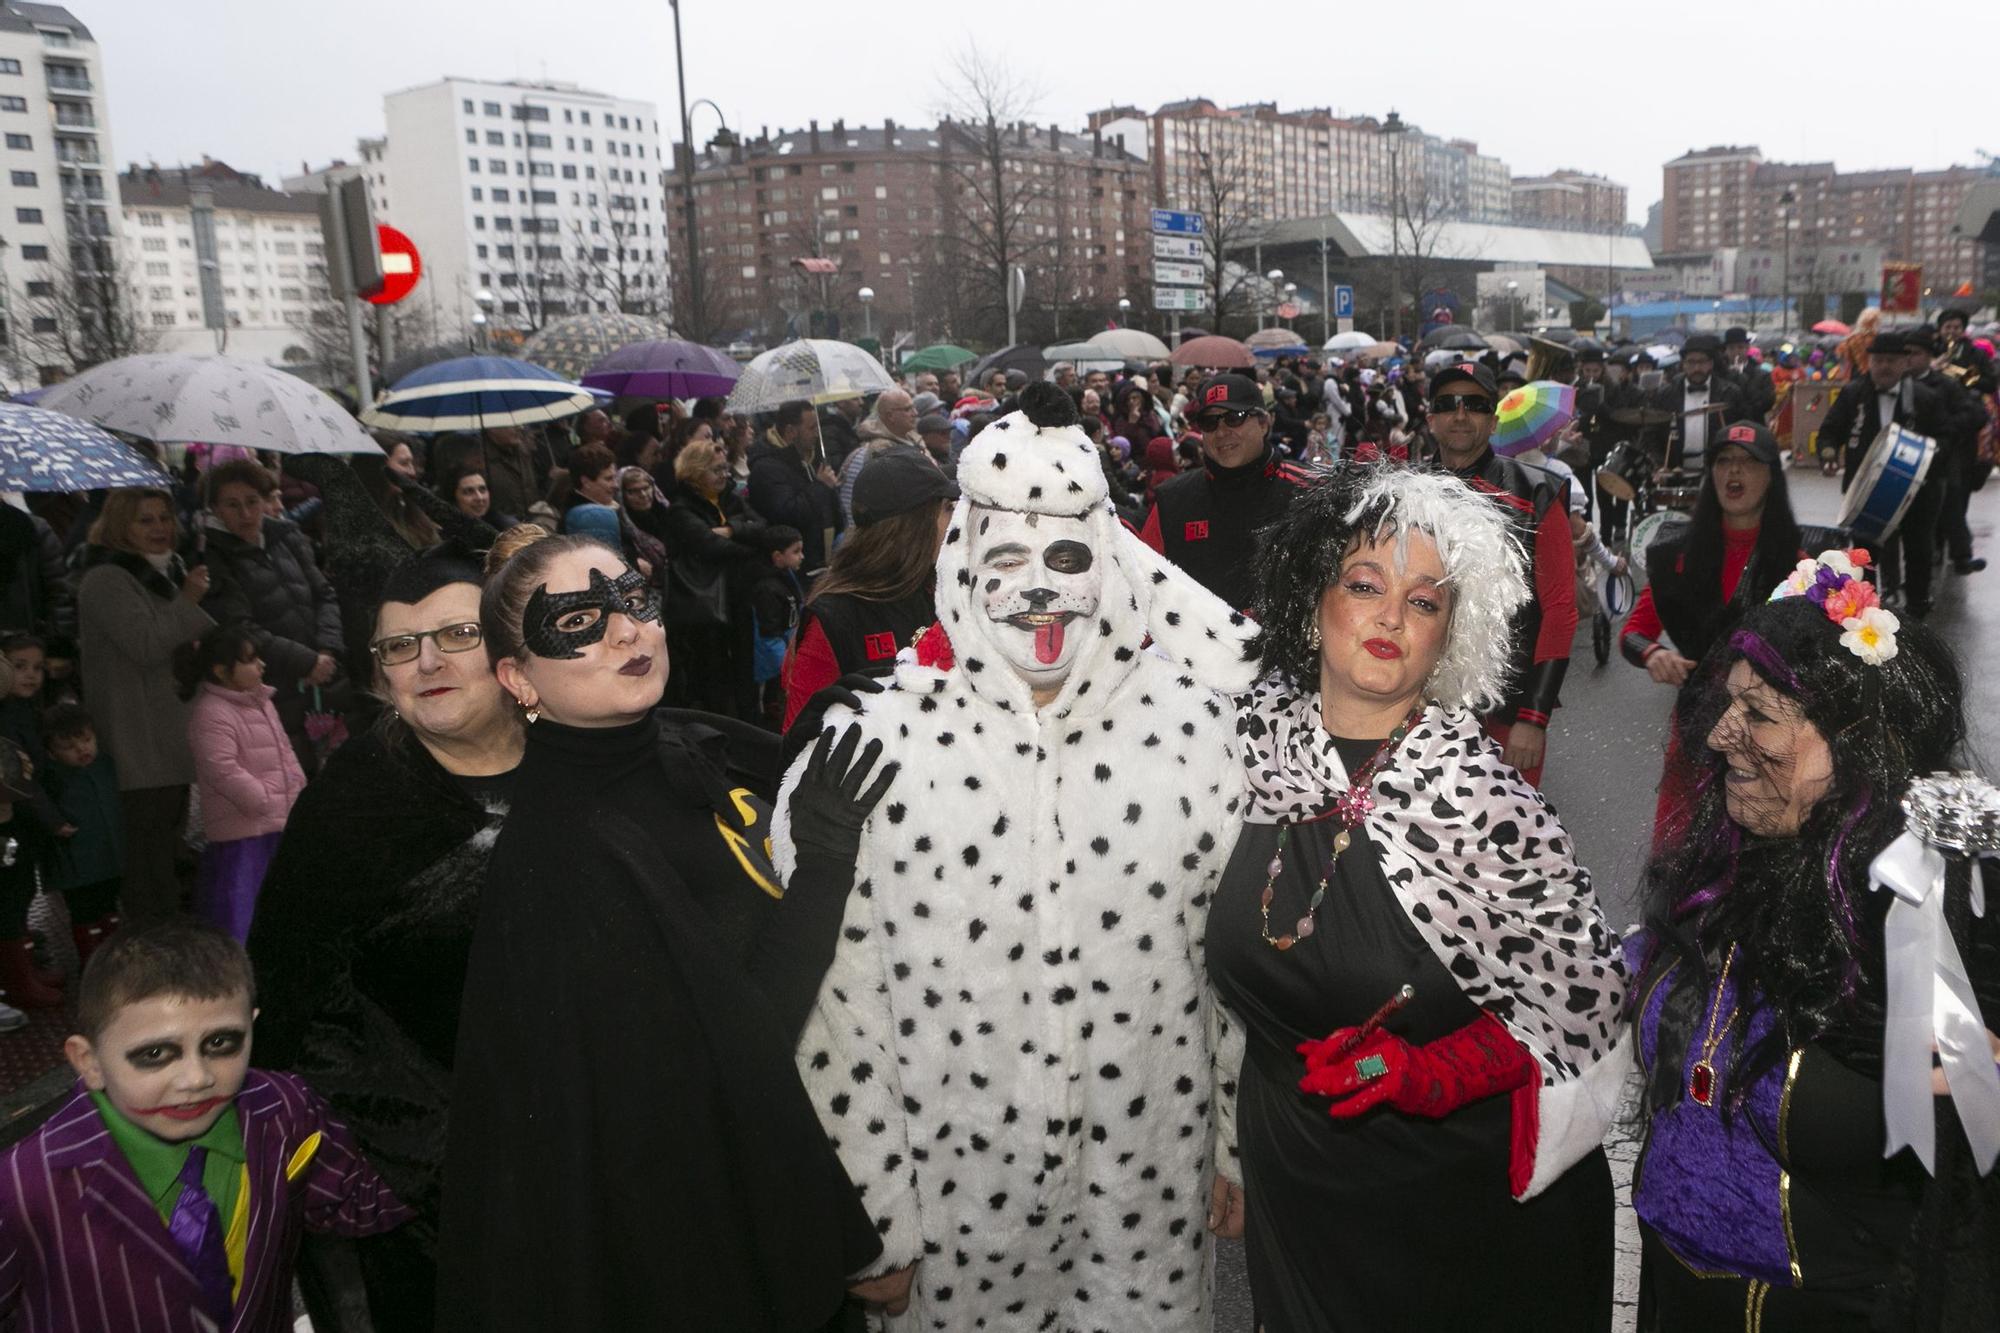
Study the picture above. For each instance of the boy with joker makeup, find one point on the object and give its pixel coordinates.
(1010, 1050)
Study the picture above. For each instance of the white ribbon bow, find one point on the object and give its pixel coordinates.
(1931, 1000)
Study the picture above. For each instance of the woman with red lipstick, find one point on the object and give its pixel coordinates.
(629, 1145)
(1422, 1003)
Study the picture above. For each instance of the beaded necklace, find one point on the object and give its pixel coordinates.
(1351, 808)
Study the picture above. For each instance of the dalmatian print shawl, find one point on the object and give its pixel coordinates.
(1488, 875)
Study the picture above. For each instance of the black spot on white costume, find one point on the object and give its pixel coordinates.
(1012, 1055)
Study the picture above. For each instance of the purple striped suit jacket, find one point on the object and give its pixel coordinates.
(83, 1250)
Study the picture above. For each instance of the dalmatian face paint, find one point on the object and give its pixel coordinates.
(1036, 580)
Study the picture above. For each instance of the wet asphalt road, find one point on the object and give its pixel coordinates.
(1604, 760)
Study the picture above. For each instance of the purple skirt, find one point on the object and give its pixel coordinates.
(225, 886)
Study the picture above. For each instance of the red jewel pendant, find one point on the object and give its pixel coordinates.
(1701, 1083)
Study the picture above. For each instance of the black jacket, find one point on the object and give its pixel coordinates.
(838, 437)
(277, 588)
(1855, 419)
(1207, 521)
(1726, 406)
(1960, 416)
(784, 490)
(37, 591)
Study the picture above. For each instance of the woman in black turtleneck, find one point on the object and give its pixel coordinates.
(629, 1145)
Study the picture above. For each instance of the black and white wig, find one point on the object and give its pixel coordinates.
(1485, 572)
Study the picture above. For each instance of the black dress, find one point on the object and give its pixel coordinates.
(630, 1146)
(1387, 1221)
(359, 945)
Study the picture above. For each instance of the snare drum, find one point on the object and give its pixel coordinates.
(1625, 471)
(1887, 481)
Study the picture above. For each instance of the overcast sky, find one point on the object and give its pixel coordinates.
(1612, 88)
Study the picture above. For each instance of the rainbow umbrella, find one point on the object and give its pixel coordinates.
(1532, 415)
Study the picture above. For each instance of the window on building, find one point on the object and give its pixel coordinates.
(43, 324)
(13, 104)
(496, 138)
(158, 268)
(472, 165)
(163, 319)
(503, 252)
(544, 196)
(502, 195)
(540, 141)
(569, 171)
(490, 108)
(543, 168)
(23, 179)
(569, 116)
(8, 65)
(35, 253)
(55, 37)
(590, 173)
(584, 117)
(496, 166)
(28, 216)
(478, 195)
(20, 141)
(466, 106)
(478, 222)
(472, 136)
(503, 224)
(42, 287)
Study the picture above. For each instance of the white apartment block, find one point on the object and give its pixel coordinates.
(56, 197)
(223, 264)
(526, 198)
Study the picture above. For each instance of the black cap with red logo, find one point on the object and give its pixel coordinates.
(1465, 372)
(1227, 393)
(1752, 439)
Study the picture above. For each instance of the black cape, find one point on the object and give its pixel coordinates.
(630, 1145)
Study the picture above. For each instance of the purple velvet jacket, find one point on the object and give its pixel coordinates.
(83, 1249)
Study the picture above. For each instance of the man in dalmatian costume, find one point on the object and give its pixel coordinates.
(1010, 1048)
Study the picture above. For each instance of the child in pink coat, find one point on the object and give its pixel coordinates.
(245, 769)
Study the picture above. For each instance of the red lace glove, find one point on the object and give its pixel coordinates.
(1478, 1061)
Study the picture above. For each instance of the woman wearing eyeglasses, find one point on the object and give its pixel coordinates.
(365, 919)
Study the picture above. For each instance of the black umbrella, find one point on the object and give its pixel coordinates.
(1028, 360)
(1567, 337)
(1455, 339)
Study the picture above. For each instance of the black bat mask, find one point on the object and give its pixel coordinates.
(560, 625)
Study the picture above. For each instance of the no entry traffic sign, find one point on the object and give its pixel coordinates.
(401, 265)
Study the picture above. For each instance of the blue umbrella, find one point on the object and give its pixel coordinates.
(48, 451)
(476, 392)
(667, 368)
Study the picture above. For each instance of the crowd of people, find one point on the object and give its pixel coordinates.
(950, 857)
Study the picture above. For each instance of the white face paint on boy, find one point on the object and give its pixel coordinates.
(1036, 580)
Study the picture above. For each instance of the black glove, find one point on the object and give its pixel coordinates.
(833, 799)
(805, 727)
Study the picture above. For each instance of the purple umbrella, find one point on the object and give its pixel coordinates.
(668, 369)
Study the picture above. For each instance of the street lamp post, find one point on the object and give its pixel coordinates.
(1274, 277)
(1291, 295)
(697, 310)
(1393, 127)
(1513, 318)
(482, 319)
(1124, 311)
(1786, 200)
(867, 295)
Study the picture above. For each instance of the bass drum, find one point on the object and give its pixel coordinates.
(1891, 473)
(1628, 468)
(1654, 528)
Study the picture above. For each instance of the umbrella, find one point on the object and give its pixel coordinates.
(570, 347)
(1532, 415)
(1214, 353)
(1382, 351)
(1350, 341)
(178, 399)
(1566, 337)
(1083, 351)
(44, 451)
(1133, 344)
(664, 369)
(417, 358)
(1831, 326)
(1028, 360)
(939, 356)
(1276, 342)
(1502, 344)
(819, 370)
(1457, 339)
(477, 392)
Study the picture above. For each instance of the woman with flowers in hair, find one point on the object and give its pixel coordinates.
(1778, 1188)
(1421, 994)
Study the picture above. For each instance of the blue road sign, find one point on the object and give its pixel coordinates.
(1343, 303)
(1179, 224)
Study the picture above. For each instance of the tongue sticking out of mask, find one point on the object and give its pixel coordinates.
(1049, 642)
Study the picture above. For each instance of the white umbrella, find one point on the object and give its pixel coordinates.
(1351, 341)
(1131, 344)
(172, 398)
(817, 370)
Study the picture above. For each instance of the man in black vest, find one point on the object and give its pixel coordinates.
(1852, 424)
(1207, 519)
(1700, 402)
(1463, 400)
(1752, 379)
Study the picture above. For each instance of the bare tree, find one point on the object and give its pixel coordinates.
(1224, 192)
(992, 190)
(80, 310)
(1418, 213)
(607, 266)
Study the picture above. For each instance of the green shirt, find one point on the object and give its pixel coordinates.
(158, 1163)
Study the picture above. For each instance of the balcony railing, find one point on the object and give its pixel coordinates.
(75, 118)
(75, 85)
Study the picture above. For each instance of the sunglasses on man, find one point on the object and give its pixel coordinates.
(1235, 416)
(1446, 403)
